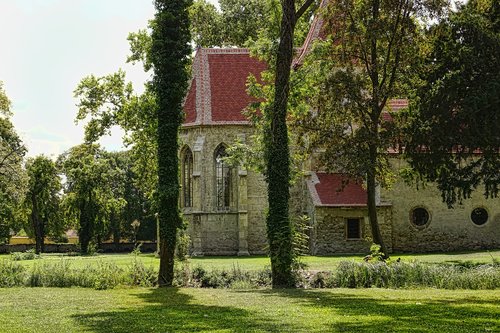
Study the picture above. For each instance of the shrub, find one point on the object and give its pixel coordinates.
(182, 245)
(183, 276)
(140, 275)
(12, 274)
(57, 274)
(27, 255)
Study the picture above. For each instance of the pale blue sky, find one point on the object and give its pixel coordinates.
(47, 46)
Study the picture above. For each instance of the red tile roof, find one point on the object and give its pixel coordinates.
(228, 77)
(394, 105)
(217, 94)
(339, 190)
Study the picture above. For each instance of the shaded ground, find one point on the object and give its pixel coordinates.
(210, 310)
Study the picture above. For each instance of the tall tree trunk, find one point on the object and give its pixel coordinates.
(35, 222)
(85, 232)
(115, 220)
(168, 190)
(279, 229)
(376, 112)
(170, 50)
(42, 236)
(372, 199)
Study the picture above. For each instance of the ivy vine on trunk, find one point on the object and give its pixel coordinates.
(279, 229)
(170, 52)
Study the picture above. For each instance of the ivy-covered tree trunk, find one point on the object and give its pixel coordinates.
(279, 229)
(169, 54)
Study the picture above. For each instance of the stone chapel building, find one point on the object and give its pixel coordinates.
(225, 206)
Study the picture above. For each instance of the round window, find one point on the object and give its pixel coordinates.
(420, 217)
(479, 216)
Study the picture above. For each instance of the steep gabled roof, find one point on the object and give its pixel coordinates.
(334, 189)
(217, 94)
(393, 106)
(315, 32)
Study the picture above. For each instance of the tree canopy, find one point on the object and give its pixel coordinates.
(43, 200)
(12, 175)
(88, 191)
(453, 131)
(365, 61)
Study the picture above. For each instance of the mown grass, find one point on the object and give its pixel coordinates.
(261, 262)
(221, 310)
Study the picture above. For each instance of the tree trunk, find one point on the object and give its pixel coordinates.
(372, 202)
(376, 111)
(279, 230)
(85, 232)
(166, 272)
(35, 222)
(169, 52)
(115, 220)
(168, 190)
(42, 236)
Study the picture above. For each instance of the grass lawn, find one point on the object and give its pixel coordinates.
(260, 262)
(220, 310)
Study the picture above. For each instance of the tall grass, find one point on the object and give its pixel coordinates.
(100, 275)
(349, 274)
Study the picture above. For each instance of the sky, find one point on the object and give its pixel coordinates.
(47, 47)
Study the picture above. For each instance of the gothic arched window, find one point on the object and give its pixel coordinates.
(222, 179)
(187, 178)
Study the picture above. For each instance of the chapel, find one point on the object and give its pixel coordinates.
(226, 205)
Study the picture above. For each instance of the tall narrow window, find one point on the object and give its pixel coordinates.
(222, 178)
(187, 178)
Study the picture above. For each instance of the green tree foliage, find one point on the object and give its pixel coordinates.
(12, 175)
(89, 197)
(237, 22)
(351, 76)
(454, 130)
(108, 101)
(206, 24)
(131, 203)
(42, 200)
(240, 22)
(170, 53)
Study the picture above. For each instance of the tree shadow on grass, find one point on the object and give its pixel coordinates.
(352, 313)
(172, 310)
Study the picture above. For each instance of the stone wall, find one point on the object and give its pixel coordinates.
(240, 229)
(257, 207)
(447, 229)
(329, 230)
